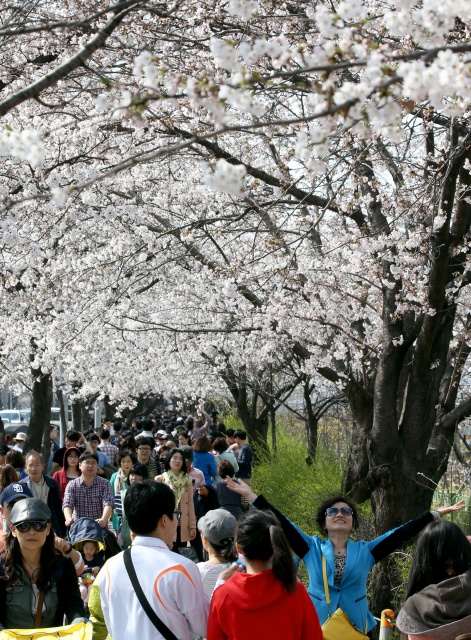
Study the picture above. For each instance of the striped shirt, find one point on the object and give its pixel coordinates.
(209, 575)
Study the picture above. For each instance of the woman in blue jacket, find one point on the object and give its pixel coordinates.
(203, 459)
(347, 563)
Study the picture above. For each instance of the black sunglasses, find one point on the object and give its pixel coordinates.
(333, 511)
(24, 527)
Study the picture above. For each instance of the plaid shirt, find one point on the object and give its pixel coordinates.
(109, 450)
(88, 502)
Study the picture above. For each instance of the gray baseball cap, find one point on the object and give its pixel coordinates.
(30, 510)
(187, 453)
(219, 526)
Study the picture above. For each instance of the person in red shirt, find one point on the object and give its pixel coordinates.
(267, 601)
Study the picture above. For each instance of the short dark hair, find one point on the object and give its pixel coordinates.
(104, 434)
(202, 444)
(93, 438)
(95, 542)
(225, 469)
(240, 433)
(185, 434)
(189, 422)
(128, 442)
(117, 426)
(86, 455)
(127, 454)
(170, 456)
(230, 433)
(145, 503)
(164, 449)
(73, 435)
(147, 442)
(139, 469)
(220, 444)
(52, 426)
(320, 517)
(441, 546)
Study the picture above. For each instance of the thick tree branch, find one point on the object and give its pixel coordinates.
(51, 78)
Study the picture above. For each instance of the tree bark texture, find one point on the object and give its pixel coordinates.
(77, 415)
(405, 410)
(38, 431)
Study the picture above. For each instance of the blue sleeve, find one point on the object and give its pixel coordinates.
(107, 460)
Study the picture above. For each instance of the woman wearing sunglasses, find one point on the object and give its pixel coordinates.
(39, 584)
(348, 563)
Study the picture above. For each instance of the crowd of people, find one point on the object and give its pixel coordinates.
(153, 526)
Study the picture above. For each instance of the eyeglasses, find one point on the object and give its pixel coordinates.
(333, 511)
(24, 527)
(144, 449)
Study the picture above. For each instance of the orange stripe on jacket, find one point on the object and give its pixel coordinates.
(177, 568)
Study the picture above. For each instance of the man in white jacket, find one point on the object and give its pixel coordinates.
(170, 582)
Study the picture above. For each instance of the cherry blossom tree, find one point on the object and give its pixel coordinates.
(219, 190)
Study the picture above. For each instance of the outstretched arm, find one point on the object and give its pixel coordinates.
(298, 540)
(389, 542)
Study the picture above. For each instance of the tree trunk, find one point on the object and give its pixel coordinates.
(84, 417)
(46, 440)
(109, 409)
(312, 425)
(144, 406)
(2, 434)
(257, 432)
(63, 415)
(77, 415)
(41, 402)
(395, 500)
(273, 427)
(355, 478)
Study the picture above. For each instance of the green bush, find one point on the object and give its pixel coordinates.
(292, 486)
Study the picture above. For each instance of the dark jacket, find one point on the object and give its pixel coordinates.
(244, 460)
(203, 504)
(438, 605)
(54, 502)
(69, 600)
(228, 500)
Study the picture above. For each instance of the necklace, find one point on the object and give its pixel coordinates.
(30, 570)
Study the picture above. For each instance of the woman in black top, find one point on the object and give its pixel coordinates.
(38, 585)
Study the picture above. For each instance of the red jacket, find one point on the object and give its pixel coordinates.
(61, 476)
(253, 607)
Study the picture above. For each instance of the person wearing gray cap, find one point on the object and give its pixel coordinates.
(49, 587)
(218, 529)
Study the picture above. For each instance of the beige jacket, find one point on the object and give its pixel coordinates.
(187, 507)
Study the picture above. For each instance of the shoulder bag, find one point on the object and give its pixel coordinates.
(338, 625)
(153, 617)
